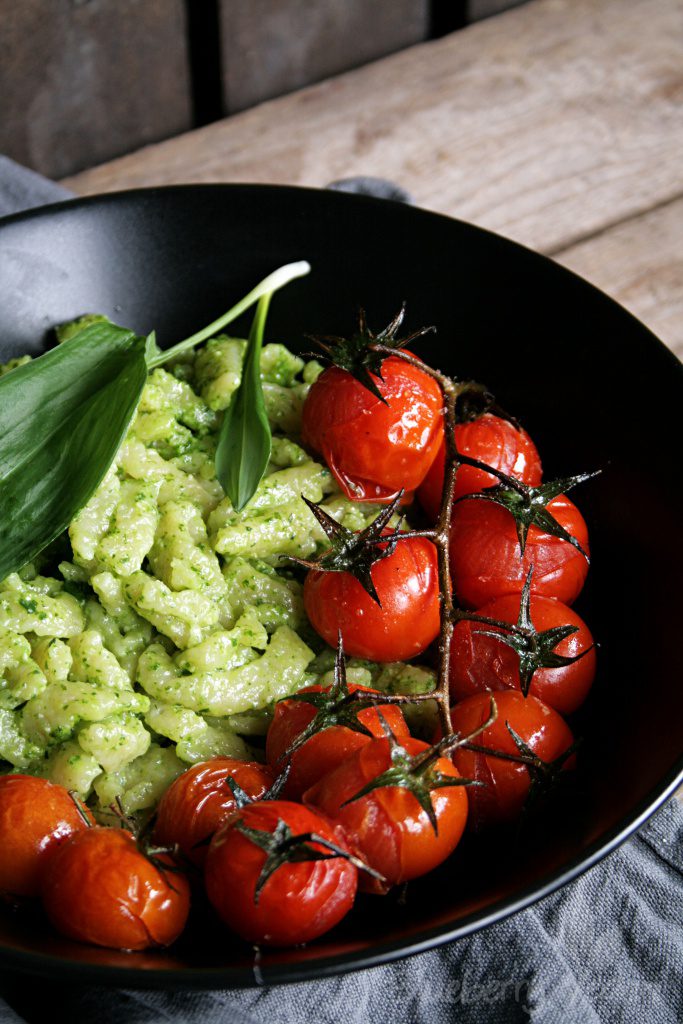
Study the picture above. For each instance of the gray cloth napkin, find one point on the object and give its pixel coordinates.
(607, 948)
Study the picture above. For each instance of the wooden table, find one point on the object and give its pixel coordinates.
(558, 124)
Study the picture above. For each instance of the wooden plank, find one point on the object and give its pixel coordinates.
(544, 123)
(81, 82)
(640, 264)
(477, 9)
(297, 43)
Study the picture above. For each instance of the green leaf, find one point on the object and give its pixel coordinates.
(152, 350)
(62, 419)
(244, 438)
(267, 287)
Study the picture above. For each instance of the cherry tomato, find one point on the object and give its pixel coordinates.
(407, 585)
(327, 748)
(489, 439)
(375, 449)
(36, 816)
(506, 783)
(99, 888)
(200, 800)
(486, 561)
(481, 663)
(389, 829)
(301, 899)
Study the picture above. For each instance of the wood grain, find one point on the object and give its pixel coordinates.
(640, 264)
(545, 123)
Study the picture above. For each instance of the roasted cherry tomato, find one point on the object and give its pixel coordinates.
(489, 439)
(486, 561)
(323, 751)
(375, 449)
(506, 784)
(200, 800)
(480, 662)
(99, 888)
(36, 816)
(299, 899)
(407, 585)
(388, 827)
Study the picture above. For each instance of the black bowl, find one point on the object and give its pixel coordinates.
(592, 385)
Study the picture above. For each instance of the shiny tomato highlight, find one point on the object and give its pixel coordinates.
(375, 449)
(36, 816)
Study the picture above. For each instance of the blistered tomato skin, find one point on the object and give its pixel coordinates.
(486, 562)
(375, 449)
(99, 888)
(326, 749)
(36, 816)
(480, 663)
(301, 900)
(200, 800)
(505, 784)
(387, 827)
(489, 439)
(402, 627)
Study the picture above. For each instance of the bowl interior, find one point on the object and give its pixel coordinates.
(590, 383)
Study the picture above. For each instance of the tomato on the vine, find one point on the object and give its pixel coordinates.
(486, 561)
(36, 816)
(401, 627)
(200, 800)
(99, 887)
(490, 439)
(389, 827)
(507, 783)
(329, 747)
(483, 662)
(375, 448)
(263, 883)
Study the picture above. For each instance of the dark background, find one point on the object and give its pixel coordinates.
(84, 81)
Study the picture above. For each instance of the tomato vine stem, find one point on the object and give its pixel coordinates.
(440, 535)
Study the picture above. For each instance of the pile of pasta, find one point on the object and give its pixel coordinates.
(162, 629)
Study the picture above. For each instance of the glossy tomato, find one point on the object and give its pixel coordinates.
(486, 561)
(407, 585)
(506, 784)
(36, 816)
(388, 827)
(323, 751)
(482, 663)
(372, 448)
(301, 899)
(99, 888)
(488, 439)
(200, 800)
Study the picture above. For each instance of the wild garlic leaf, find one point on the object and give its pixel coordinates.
(62, 419)
(244, 438)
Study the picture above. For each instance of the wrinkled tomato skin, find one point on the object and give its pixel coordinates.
(99, 888)
(326, 749)
(301, 900)
(200, 800)
(480, 663)
(36, 816)
(387, 827)
(489, 439)
(375, 449)
(407, 584)
(505, 783)
(486, 561)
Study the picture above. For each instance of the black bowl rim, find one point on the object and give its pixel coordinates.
(56, 967)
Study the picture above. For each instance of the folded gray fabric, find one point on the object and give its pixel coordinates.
(21, 189)
(607, 948)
